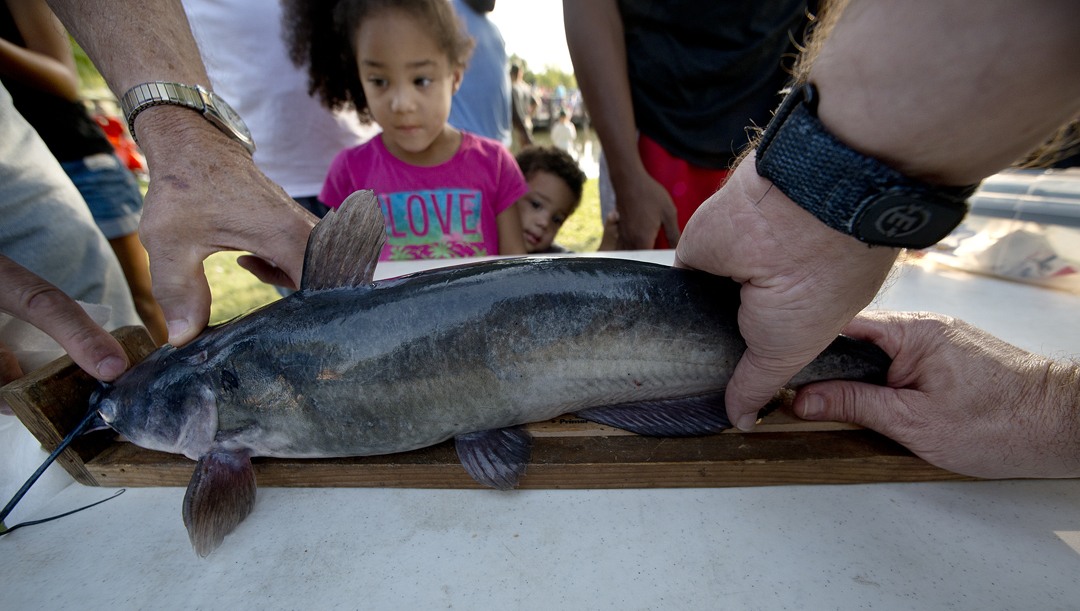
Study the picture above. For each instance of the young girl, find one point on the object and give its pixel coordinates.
(444, 192)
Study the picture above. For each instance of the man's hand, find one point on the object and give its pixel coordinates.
(29, 298)
(960, 398)
(802, 281)
(206, 195)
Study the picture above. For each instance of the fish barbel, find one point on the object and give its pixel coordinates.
(350, 367)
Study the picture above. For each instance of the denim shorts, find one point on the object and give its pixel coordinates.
(111, 192)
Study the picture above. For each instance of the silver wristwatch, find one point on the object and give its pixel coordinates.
(197, 98)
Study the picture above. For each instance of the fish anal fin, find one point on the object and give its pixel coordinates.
(220, 495)
(343, 249)
(683, 417)
(495, 458)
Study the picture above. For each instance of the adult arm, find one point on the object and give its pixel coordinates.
(205, 193)
(594, 35)
(935, 89)
(960, 398)
(31, 299)
(45, 63)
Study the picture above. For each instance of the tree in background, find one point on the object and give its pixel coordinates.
(550, 78)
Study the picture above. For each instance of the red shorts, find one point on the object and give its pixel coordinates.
(688, 184)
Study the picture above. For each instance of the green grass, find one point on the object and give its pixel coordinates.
(582, 231)
(233, 289)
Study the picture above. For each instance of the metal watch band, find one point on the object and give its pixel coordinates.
(141, 97)
(848, 191)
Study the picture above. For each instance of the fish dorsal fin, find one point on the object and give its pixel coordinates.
(495, 458)
(344, 247)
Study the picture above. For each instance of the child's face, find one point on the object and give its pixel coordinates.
(408, 82)
(544, 209)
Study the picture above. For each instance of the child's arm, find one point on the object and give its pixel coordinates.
(45, 63)
(610, 239)
(511, 240)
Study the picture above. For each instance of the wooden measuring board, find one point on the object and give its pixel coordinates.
(568, 452)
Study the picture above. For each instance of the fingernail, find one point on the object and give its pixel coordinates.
(111, 367)
(813, 405)
(177, 328)
(746, 422)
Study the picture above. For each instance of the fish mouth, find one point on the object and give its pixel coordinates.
(97, 423)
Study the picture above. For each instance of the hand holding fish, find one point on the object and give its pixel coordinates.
(207, 195)
(960, 398)
(802, 281)
(29, 298)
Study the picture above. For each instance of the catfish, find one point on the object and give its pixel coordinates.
(347, 366)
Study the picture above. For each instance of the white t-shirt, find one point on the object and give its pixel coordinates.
(296, 138)
(563, 135)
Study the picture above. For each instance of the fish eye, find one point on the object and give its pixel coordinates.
(106, 408)
(229, 381)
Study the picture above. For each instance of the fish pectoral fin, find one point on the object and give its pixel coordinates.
(684, 417)
(220, 495)
(343, 248)
(495, 458)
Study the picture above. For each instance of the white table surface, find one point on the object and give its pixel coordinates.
(973, 545)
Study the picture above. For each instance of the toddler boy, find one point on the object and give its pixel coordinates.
(555, 183)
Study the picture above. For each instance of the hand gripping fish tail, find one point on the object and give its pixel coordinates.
(347, 366)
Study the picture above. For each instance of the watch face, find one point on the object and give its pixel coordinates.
(229, 115)
(898, 218)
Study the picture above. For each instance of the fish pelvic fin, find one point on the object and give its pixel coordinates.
(220, 495)
(684, 417)
(344, 247)
(495, 458)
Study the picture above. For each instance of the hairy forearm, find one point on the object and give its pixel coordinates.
(594, 35)
(947, 91)
(134, 44)
(1051, 429)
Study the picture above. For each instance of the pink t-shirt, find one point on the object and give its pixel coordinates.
(439, 212)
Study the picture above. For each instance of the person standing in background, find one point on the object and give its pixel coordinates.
(671, 88)
(524, 104)
(563, 133)
(38, 69)
(482, 103)
(244, 52)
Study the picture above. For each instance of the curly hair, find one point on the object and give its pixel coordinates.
(556, 161)
(321, 35)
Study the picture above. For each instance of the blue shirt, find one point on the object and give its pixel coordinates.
(482, 103)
